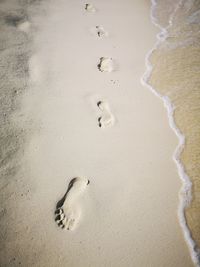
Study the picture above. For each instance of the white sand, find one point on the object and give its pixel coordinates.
(129, 209)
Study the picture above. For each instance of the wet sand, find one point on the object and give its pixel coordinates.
(176, 75)
(129, 210)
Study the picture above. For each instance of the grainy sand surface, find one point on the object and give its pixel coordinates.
(128, 212)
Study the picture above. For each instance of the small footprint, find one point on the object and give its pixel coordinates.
(90, 8)
(67, 213)
(101, 32)
(105, 64)
(106, 119)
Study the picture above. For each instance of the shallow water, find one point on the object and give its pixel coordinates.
(175, 74)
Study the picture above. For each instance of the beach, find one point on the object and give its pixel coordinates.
(175, 76)
(85, 111)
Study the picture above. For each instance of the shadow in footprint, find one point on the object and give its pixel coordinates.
(99, 121)
(13, 20)
(62, 200)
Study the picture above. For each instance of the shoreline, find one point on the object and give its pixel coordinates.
(122, 147)
(185, 193)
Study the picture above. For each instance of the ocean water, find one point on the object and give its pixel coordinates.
(173, 73)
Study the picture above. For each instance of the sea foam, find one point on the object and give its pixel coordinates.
(185, 194)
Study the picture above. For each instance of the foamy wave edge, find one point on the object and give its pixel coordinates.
(185, 194)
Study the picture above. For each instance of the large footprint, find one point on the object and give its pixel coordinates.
(106, 119)
(67, 213)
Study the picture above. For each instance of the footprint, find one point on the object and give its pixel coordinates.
(67, 218)
(106, 64)
(106, 119)
(101, 32)
(67, 213)
(90, 8)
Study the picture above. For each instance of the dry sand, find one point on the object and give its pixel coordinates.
(129, 210)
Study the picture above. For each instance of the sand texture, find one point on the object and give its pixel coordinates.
(88, 177)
